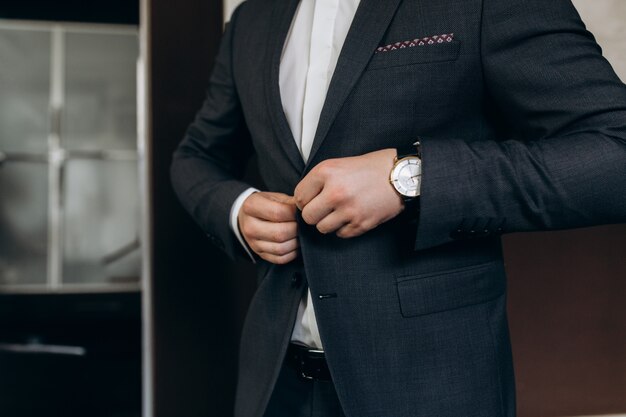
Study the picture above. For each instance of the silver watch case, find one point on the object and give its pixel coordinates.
(406, 176)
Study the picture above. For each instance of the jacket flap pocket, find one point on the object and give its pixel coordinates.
(440, 52)
(432, 293)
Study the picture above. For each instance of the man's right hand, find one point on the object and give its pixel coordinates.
(267, 221)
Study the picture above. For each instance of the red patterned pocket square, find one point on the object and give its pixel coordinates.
(428, 40)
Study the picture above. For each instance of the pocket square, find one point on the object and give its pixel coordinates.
(428, 40)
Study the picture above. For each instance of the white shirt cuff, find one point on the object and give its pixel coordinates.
(234, 213)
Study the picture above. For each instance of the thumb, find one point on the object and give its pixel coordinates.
(289, 199)
(282, 198)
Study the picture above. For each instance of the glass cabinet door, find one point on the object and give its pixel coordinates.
(100, 91)
(24, 118)
(24, 89)
(101, 217)
(69, 183)
(101, 203)
(23, 223)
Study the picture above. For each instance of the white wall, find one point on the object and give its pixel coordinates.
(606, 19)
(229, 6)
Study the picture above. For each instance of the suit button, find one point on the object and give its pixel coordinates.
(296, 279)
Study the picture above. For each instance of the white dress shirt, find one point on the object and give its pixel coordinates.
(308, 61)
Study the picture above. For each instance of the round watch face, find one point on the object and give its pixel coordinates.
(406, 176)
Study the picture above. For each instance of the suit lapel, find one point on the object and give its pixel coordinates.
(282, 16)
(368, 27)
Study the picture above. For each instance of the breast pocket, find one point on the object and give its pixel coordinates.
(435, 292)
(439, 52)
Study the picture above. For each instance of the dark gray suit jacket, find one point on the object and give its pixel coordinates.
(523, 127)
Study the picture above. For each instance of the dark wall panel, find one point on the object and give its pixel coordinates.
(199, 296)
(567, 310)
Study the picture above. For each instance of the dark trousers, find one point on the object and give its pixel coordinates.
(297, 397)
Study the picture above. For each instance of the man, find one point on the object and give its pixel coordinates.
(397, 141)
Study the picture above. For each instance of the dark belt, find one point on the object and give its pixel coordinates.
(310, 364)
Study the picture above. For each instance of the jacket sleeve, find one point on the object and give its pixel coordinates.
(209, 163)
(564, 163)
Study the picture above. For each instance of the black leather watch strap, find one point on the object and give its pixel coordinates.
(412, 207)
(409, 150)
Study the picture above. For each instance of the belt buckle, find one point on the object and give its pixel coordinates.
(306, 360)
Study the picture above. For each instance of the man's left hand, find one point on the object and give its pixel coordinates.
(349, 196)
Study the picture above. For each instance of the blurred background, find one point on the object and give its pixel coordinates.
(70, 218)
(114, 304)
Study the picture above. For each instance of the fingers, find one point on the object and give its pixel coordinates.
(257, 229)
(281, 198)
(280, 260)
(267, 223)
(351, 230)
(276, 249)
(275, 242)
(310, 186)
(277, 253)
(270, 207)
(332, 222)
(350, 195)
(316, 210)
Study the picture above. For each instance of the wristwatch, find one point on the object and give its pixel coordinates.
(406, 174)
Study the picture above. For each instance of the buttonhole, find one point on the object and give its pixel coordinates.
(331, 295)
